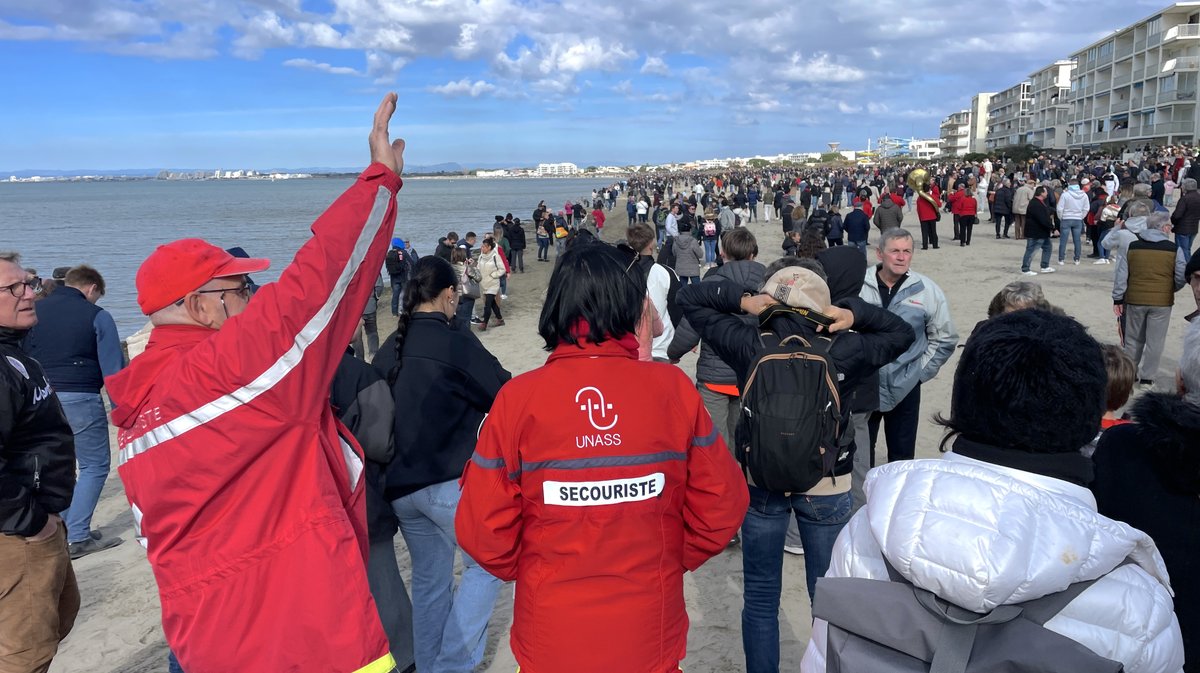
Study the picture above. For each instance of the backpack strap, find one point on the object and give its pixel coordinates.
(1041, 610)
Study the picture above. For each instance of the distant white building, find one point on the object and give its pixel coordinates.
(925, 149)
(492, 174)
(557, 169)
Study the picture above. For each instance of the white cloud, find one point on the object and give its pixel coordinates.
(820, 69)
(464, 87)
(655, 66)
(308, 64)
(846, 108)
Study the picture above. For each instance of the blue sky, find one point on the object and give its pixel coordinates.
(110, 84)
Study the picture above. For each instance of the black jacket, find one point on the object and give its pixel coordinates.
(876, 338)
(709, 367)
(515, 234)
(363, 402)
(37, 448)
(1148, 476)
(443, 249)
(442, 394)
(1038, 223)
(1002, 204)
(845, 268)
(1187, 214)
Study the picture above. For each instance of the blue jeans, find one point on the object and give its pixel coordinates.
(861, 245)
(449, 626)
(173, 663)
(397, 290)
(1185, 244)
(820, 519)
(85, 412)
(1030, 245)
(710, 250)
(1075, 228)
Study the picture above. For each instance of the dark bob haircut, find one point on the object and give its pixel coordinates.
(592, 284)
(1029, 381)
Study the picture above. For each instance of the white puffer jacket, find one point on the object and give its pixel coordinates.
(981, 535)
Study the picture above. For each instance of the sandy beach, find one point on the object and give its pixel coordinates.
(118, 629)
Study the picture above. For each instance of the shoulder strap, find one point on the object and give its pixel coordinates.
(1041, 610)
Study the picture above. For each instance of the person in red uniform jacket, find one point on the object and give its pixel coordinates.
(927, 214)
(596, 482)
(965, 208)
(598, 218)
(246, 492)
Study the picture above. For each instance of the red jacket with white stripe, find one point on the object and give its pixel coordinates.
(245, 490)
(597, 481)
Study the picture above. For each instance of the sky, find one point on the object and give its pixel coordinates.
(111, 84)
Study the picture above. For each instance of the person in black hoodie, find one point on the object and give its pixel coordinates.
(715, 309)
(1147, 474)
(443, 384)
(515, 233)
(446, 246)
(39, 598)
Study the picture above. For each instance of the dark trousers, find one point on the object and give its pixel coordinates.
(957, 227)
(929, 233)
(543, 249)
(518, 260)
(965, 224)
(900, 426)
(371, 331)
(1006, 219)
(490, 305)
(391, 599)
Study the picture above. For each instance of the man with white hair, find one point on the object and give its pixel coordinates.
(1147, 277)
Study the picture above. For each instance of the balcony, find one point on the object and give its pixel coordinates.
(1182, 64)
(1139, 45)
(1173, 128)
(1117, 134)
(1178, 95)
(1149, 101)
(1120, 106)
(1121, 80)
(1183, 32)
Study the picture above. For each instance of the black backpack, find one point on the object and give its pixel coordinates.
(397, 264)
(789, 429)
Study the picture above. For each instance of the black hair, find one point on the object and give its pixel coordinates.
(591, 283)
(429, 277)
(1012, 379)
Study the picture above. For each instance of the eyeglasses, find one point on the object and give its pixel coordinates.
(242, 291)
(17, 289)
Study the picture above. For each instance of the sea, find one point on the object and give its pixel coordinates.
(113, 226)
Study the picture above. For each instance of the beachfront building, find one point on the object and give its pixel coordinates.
(979, 107)
(1008, 117)
(925, 148)
(955, 133)
(550, 170)
(1050, 107)
(1138, 85)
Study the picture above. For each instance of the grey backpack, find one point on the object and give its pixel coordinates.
(894, 627)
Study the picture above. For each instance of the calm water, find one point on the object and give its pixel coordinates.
(114, 225)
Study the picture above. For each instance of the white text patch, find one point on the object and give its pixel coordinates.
(608, 492)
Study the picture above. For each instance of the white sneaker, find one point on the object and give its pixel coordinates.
(504, 296)
(1049, 269)
(794, 550)
(1029, 273)
(1101, 261)
(1076, 262)
(1061, 262)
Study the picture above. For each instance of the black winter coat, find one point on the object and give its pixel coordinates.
(515, 234)
(876, 338)
(442, 394)
(1038, 223)
(37, 447)
(363, 402)
(710, 368)
(1148, 476)
(1187, 214)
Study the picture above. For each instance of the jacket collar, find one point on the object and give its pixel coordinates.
(610, 348)
(12, 336)
(1056, 486)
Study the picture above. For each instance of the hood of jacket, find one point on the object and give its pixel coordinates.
(981, 535)
(888, 203)
(746, 273)
(1176, 429)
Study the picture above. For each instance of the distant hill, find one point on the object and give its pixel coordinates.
(450, 167)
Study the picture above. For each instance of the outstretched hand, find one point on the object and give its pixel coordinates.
(843, 319)
(755, 304)
(383, 150)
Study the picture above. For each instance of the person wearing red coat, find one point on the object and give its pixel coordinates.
(927, 214)
(965, 208)
(596, 483)
(246, 492)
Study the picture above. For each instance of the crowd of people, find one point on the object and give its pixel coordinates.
(270, 456)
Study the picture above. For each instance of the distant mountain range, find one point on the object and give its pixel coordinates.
(450, 167)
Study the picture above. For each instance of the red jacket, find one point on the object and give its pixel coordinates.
(963, 203)
(596, 482)
(246, 493)
(868, 208)
(925, 210)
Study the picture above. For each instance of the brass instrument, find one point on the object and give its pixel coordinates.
(918, 181)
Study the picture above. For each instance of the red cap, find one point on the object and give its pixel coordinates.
(175, 269)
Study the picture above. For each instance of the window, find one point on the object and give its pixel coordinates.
(1154, 26)
(1106, 50)
(1167, 83)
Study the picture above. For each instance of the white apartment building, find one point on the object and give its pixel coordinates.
(955, 133)
(557, 169)
(1008, 117)
(1138, 85)
(1050, 106)
(924, 149)
(979, 108)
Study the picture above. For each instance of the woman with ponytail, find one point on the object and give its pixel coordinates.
(443, 383)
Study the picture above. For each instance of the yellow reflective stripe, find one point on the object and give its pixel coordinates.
(384, 664)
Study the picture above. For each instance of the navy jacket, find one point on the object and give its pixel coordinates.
(75, 341)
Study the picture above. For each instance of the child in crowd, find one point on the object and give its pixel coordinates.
(1121, 375)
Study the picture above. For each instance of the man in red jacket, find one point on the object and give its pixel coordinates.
(965, 209)
(246, 492)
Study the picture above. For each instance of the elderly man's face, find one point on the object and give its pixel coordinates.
(1194, 281)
